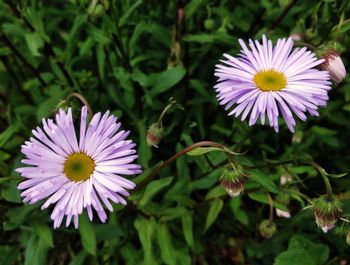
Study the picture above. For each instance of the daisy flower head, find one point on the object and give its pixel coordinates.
(267, 80)
(77, 173)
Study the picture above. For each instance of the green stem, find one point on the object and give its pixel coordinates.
(6, 179)
(325, 179)
(164, 111)
(176, 156)
(271, 208)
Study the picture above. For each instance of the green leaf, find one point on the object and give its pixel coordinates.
(193, 6)
(240, 214)
(46, 108)
(293, 257)
(126, 15)
(263, 180)
(262, 197)
(153, 188)
(187, 228)
(43, 231)
(303, 251)
(165, 244)
(172, 213)
(213, 213)
(79, 259)
(34, 42)
(145, 229)
(336, 176)
(318, 252)
(203, 150)
(87, 234)
(167, 79)
(101, 60)
(216, 192)
(8, 133)
(35, 252)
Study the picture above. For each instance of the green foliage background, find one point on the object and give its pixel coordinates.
(131, 60)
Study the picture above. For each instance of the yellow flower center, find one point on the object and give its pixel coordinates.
(78, 167)
(270, 80)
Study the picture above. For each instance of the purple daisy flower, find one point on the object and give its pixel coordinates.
(272, 80)
(77, 173)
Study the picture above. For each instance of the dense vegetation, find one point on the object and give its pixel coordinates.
(136, 57)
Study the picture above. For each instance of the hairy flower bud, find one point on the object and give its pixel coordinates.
(327, 212)
(267, 229)
(334, 65)
(155, 134)
(233, 180)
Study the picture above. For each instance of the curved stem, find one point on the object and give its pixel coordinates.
(176, 156)
(271, 208)
(82, 99)
(164, 111)
(325, 179)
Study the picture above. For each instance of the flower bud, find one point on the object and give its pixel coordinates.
(296, 36)
(334, 65)
(267, 229)
(155, 134)
(282, 198)
(327, 212)
(285, 179)
(348, 238)
(283, 214)
(98, 7)
(233, 180)
(209, 24)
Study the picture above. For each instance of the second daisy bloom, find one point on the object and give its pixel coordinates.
(269, 81)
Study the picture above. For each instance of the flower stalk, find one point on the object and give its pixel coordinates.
(82, 99)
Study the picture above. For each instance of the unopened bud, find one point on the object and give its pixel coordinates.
(348, 238)
(282, 198)
(233, 180)
(327, 212)
(267, 229)
(285, 179)
(180, 15)
(283, 214)
(209, 24)
(155, 134)
(98, 7)
(296, 36)
(334, 65)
